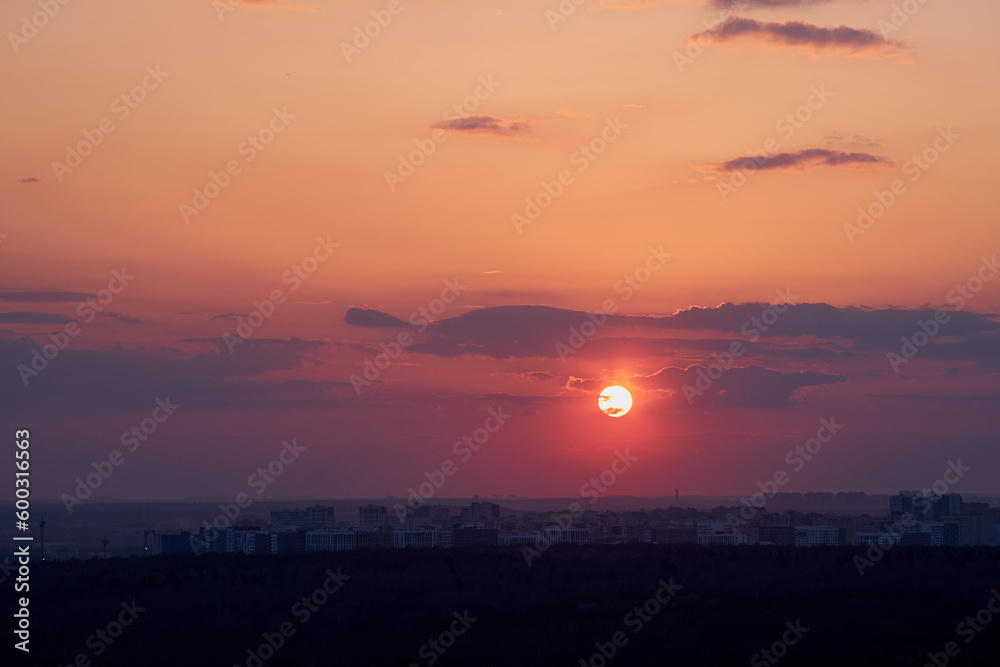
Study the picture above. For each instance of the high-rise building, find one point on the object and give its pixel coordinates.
(951, 504)
(284, 520)
(172, 543)
(482, 512)
(429, 515)
(319, 516)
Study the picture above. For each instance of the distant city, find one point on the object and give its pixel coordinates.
(913, 520)
(909, 518)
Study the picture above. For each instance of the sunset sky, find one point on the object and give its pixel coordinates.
(247, 137)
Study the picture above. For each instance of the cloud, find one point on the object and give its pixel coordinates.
(490, 125)
(754, 4)
(631, 5)
(119, 377)
(29, 179)
(123, 318)
(842, 40)
(44, 297)
(744, 387)
(33, 318)
(277, 4)
(741, 387)
(849, 139)
(505, 332)
(800, 160)
(539, 375)
(365, 317)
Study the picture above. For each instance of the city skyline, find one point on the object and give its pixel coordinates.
(747, 256)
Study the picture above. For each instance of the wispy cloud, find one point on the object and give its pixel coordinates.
(489, 125)
(850, 139)
(33, 318)
(817, 40)
(277, 4)
(43, 297)
(801, 160)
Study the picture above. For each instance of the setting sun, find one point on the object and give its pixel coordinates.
(615, 401)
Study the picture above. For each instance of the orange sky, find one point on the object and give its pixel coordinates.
(324, 175)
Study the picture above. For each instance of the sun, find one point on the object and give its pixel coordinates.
(615, 401)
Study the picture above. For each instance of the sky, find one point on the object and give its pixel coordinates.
(239, 206)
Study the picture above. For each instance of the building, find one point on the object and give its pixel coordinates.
(250, 540)
(686, 534)
(380, 538)
(935, 529)
(416, 539)
(217, 540)
(286, 520)
(902, 503)
(976, 528)
(716, 533)
(777, 535)
(288, 543)
(951, 504)
(486, 512)
(516, 539)
(172, 543)
(881, 538)
(330, 539)
(319, 516)
(429, 515)
(819, 536)
(372, 516)
(474, 538)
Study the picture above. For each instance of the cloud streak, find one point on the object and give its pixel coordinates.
(488, 125)
(801, 160)
(818, 40)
